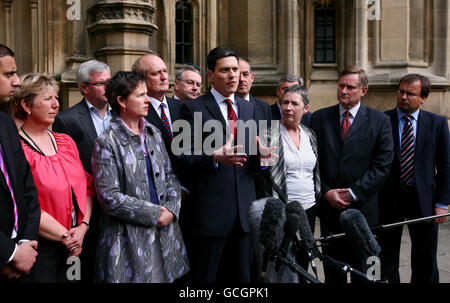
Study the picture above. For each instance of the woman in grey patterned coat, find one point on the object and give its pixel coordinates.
(140, 239)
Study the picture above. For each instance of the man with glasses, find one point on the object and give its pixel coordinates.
(84, 122)
(285, 82)
(418, 184)
(188, 84)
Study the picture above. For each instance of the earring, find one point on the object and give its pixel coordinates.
(29, 113)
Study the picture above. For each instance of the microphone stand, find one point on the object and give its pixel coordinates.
(297, 245)
(296, 268)
(387, 226)
(346, 268)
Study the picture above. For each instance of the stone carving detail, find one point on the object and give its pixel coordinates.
(120, 12)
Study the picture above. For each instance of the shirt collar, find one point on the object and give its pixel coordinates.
(401, 114)
(353, 111)
(90, 106)
(156, 103)
(220, 98)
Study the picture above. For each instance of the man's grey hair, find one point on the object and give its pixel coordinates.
(290, 78)
(180, 72)
(298, 89)
(86, 69)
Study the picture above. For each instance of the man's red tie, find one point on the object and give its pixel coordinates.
(232, 118)
(165, 121)
(345, 125)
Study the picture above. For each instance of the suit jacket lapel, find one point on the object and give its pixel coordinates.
(422, 126)
(335, 123)
(214, 109)
(174, 108)
(86, 121)
(8, 159)
(359, 121)
(394, 121)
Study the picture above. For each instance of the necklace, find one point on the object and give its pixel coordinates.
(37, 146)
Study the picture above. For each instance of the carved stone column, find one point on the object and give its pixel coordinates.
(8, 26)
(120, 31)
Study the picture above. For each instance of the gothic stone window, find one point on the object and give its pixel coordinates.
(325, 33)
(184, 28)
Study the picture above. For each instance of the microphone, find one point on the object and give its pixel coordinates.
(355, 227)
(306, 235)
(290, 230)
(270, 229)
(360, 237)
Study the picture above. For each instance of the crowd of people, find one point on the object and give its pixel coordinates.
(104, 184)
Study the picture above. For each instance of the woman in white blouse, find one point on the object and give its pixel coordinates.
(297, 171)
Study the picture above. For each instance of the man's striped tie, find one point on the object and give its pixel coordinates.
(407, 157)
(345, 125)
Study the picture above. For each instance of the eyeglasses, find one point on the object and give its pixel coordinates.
(98, 84)
(192, 82)
(401, 92)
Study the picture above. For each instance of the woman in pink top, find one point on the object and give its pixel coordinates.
(65, 190)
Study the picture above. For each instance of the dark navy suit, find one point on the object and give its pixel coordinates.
(432, 185)
(220, 197)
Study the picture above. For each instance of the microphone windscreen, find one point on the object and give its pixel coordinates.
(292, 224)
(272, 222)
(355, 227)
(304, 229)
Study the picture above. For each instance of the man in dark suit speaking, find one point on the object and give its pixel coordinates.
(19, 206)
(355, 155)
(222, 186)
(418, 184)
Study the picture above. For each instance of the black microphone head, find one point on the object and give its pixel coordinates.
(292, 224)
(304, 229)
(272, 222)
(356, 229)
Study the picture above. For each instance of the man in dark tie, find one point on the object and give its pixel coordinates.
(222, 181)
(84, 122)
(418, 184)
(355, 154)
(285, 82)
(164, 110)
(19, 206)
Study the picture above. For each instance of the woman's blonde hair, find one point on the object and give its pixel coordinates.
(32, 85)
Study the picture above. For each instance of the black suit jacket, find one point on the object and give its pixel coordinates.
(262, 109)
(222, 195)
(77, 123)
(25, 193)
(361, 162)
(432, 163)
(276, 115)
(155, 119)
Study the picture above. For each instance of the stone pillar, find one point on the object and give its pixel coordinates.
(8, 26)
(120, 31)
